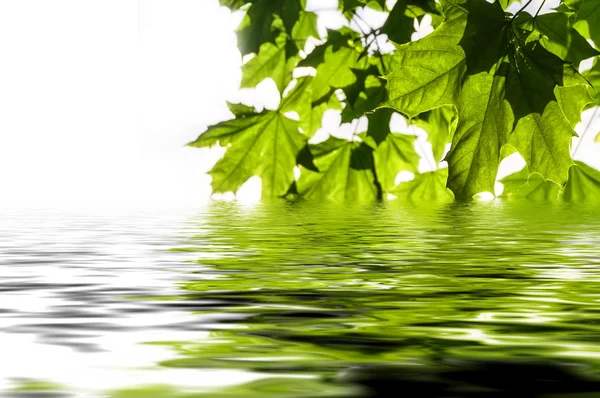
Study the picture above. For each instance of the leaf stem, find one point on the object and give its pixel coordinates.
(521, 10)
(539, 9)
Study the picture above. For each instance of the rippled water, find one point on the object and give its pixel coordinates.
(298, 300)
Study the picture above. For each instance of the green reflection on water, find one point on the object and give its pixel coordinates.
(347, 295)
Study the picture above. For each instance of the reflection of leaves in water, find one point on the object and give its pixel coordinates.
(272, 388)
(331, 291)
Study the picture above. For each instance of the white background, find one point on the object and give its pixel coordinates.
(99, 97)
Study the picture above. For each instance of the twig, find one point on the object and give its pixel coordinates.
(521, 10)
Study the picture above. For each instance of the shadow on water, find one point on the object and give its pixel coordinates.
(452, 301)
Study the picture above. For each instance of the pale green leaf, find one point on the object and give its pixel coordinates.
(345, 172)
(588, 20)
(573, 100)
(522, 185)
(573, 5)
(430, 186)
(583, 185)
(593, 76)
(544, 142)
(561, 39)
(440, 124)
(305, 27)
(270, 62)
(336, 70)
(506, 3)
(428, 72)
(264, 145)
(395, 154)
(300, 100)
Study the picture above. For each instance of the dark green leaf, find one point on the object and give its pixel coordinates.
(399, 27)
(261, 24)
(365, 94)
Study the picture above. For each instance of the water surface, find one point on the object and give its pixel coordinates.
(300, 300)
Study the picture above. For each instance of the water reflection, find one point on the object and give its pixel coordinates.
(298, 300)
(399, 291)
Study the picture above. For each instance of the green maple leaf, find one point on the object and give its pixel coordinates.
(233, 5)
(573, 100)
(336, 71)
(427, 72)
(399, 26)
(440, 124)
(559, 36)
(583, 185)
(481, 132)
(506, 3)
(334, 62)
(543, 133)
(364, 95)
(501, 80)
(588, 20)
(264, 21)
(393, 153)
(348, 7)
(311, 112)
(572, 5)
(593, 76)
(313, 121)
(368, 90)
(266, 144)
(336, 39)
(524, 185)
(270, 62)
(430, 186)
(345, 172)
(484, 79)
(305, 27)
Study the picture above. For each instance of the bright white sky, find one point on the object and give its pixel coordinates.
(98, 98)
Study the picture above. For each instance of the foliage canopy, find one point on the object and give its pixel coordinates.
(486, 82)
